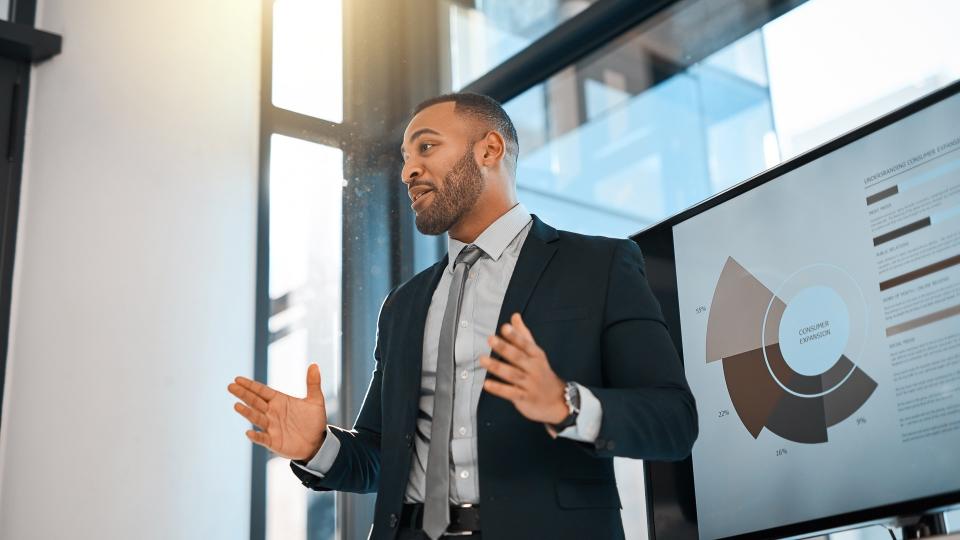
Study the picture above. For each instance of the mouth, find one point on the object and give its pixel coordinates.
(420, 199)
(418, 195)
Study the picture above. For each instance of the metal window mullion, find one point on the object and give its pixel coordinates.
(258, 472)
(301, 126)
(566, 44)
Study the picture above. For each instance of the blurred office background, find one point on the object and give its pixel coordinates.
(209, 188)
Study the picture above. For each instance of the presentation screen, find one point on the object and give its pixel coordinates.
(820, 326)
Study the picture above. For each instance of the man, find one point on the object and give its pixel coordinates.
(507, 376)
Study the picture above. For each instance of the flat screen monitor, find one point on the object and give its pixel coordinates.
(817, 310)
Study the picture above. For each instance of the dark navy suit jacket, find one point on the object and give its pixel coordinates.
(588, 304)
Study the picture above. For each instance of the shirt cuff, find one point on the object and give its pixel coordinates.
(321, 462)
(587, 426)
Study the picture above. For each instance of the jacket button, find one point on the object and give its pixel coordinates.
(600, 443)
(394, 520)
(409, 438)
(610, 445)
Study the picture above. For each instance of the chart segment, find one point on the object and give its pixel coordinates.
(787, 361)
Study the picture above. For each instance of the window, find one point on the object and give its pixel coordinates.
(306, 180)
(484, 33)
(707, 94)
(308, 57)
(300, 246)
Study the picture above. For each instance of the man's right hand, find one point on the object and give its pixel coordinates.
(290, 427)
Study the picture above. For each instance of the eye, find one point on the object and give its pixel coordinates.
(426, 146)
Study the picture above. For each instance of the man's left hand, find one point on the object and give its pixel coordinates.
(528, 380)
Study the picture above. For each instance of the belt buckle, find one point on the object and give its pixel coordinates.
(461, 533)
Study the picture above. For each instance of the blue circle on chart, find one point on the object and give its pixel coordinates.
(814, 330)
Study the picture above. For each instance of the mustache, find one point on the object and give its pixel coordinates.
(425, 183)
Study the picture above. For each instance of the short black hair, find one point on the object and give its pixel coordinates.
(484, 109)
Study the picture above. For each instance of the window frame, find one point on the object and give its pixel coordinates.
(22, 43)
(273, 120)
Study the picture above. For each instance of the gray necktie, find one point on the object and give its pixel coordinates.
(436, 511)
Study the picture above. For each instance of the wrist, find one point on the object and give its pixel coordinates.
(318, 446)
(571, 407)
(558, 411)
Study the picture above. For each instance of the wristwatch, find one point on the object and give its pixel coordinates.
(571, 394)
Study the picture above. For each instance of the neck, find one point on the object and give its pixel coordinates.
(482, 215)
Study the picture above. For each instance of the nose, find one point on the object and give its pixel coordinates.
(411, 171)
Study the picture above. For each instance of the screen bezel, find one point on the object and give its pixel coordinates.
(669, 486)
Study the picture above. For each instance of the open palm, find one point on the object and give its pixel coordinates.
(290, 427)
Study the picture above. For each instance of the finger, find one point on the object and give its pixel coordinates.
(518, 338)
(256, 418)
(529, 343)
(248, 397)
(314, 389)
(259, 437)
(504, 371)
(507, 350)
(522, 327)
(257, 388)
(508, 392)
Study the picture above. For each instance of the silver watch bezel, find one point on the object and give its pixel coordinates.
(571, 395)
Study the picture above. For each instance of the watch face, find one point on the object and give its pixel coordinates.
(572, 396)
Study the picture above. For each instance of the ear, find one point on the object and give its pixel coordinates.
(492, 149)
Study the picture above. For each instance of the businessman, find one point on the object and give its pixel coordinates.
(508, 375)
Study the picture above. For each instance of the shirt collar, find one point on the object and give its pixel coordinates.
(495, 238)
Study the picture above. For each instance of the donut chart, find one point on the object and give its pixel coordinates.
(788, 355)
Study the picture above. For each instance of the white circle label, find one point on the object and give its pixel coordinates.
(814, 330)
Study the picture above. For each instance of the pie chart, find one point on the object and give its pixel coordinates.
(789, 353)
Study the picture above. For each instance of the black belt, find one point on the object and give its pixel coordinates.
(464, 519)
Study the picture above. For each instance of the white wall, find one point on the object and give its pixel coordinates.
(135, 274)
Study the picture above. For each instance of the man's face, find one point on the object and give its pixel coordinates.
(441, 173)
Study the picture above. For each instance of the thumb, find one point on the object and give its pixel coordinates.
(314, 391)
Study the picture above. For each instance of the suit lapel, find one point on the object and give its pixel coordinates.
(412, 369)
(536, 253)
(538, 249)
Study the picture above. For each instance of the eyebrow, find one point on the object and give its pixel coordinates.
(418, 133)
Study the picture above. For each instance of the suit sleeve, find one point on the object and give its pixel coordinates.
(648, 410)
(357, 465)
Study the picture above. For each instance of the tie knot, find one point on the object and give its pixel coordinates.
(469, 255)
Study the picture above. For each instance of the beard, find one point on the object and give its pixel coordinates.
(460, 191)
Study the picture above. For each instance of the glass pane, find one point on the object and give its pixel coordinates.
(711, 92)
(630, 483)
(308, 57)
(484, 33)
(286, 505)
(306, 181)
(853, 73)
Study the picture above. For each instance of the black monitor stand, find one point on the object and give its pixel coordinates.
(923, 526)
